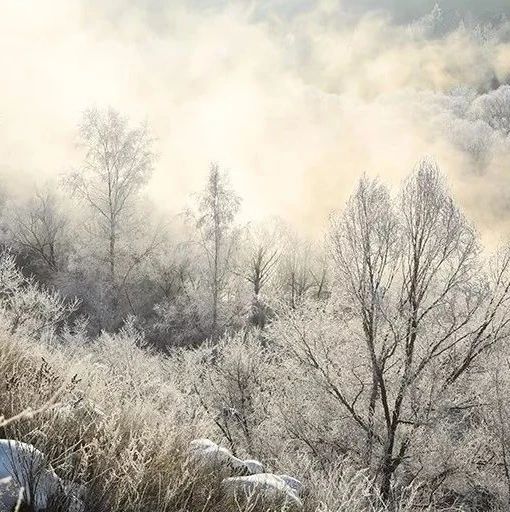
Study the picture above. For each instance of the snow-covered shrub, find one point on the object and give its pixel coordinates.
(231, 382)
(25, 305)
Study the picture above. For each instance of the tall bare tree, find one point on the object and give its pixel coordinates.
(420, 305)
(259, 266)
(217, 209)
(118, 162)
(297, 280)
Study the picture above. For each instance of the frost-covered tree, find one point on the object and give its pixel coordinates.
(40, 227)
(217, 238)
(261, 247)
(413, 278)
(175, 279)
(302, 270)
(415, 306)
(494, 109)
(118, 163)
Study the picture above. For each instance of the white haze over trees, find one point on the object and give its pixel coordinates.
(262, 264)
(296, 99)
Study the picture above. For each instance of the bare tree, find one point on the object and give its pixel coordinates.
(217, 209)
(420, 306)
(118, 162)
(499, 418)
(262, 264)
(259, 266)
(40, 228)
(295, 271)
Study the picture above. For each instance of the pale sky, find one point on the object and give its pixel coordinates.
(296, 98)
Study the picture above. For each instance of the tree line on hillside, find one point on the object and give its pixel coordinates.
(186, 280)
(384, 350)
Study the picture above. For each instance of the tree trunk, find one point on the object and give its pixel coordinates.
(371, 414)
(217, 242)
(111, 251)
(388, 468)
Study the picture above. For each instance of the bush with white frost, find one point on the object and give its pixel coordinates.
(27, 306)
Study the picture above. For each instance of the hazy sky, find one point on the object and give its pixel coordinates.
(296, 98)
(400, 10)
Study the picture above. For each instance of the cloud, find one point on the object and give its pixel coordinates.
(296, 103)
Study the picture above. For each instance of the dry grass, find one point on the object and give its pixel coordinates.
(124, 420)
